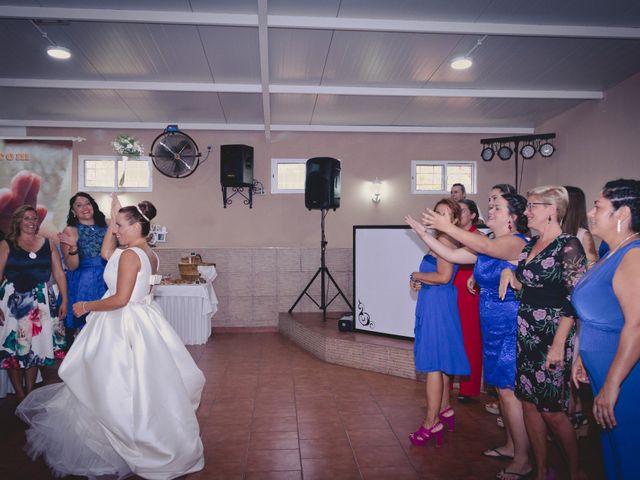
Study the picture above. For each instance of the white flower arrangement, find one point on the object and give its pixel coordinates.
(127, 145)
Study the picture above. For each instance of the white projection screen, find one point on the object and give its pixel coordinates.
(383, 259)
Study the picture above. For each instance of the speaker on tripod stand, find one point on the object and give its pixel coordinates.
(322, 192)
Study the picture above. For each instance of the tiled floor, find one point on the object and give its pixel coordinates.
(272, 411)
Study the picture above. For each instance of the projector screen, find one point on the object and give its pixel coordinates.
(383, 259)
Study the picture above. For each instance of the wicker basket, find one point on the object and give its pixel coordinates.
(188, 267)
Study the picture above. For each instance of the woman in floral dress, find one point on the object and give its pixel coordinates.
(31, 332)
(548, 269)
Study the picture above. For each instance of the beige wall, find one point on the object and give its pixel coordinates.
(192, 210)
(597, 142)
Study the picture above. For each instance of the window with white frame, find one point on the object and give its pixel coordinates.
(438, 176)
(105, 173)
(288, 175)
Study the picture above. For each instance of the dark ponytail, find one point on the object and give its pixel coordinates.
(517, 204)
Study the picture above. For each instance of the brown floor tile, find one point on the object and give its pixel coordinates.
(271, 411)
(391, 456)
(325, 448)
(273, 440)
(273, 460)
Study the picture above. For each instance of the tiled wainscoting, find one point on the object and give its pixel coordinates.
(254, 284)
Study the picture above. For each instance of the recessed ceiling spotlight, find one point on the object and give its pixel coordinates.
(58, 52)
(527, 151)
(461, 63)
(546, 149)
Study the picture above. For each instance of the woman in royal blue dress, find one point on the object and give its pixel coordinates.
(80, 242)
(438, 346)
(497, 318)
(609, 341)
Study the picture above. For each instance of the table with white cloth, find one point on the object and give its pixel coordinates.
(189, 309)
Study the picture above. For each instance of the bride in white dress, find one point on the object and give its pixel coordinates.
(131, 389)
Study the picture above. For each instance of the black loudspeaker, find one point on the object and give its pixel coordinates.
(345, 325)
(236, 165)
(322, 183)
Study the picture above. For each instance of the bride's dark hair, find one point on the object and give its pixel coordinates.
(143, 213)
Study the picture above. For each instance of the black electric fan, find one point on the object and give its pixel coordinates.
(174, 153)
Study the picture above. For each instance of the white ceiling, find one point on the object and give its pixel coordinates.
(312, 65)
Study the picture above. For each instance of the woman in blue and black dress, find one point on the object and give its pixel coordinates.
(31, 329)
(548, 269)
(80, 242)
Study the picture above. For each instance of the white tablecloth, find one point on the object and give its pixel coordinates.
(189, 309)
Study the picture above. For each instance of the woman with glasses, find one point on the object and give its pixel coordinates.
(548, 269)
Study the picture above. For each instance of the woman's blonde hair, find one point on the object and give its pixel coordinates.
(556, 195)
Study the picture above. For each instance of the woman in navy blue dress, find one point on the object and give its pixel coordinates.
(497, 318)
(80, 242)
(609, 342)
(438, 346)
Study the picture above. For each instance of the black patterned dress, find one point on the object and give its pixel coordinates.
(547, 282)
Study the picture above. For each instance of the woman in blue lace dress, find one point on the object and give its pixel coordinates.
(606, 299)
(497, 318)
(31, 330)
(80, 243)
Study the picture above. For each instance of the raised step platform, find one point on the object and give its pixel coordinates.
(350, 349)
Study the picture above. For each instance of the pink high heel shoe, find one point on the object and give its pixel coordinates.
(448, 416)
(422, 436)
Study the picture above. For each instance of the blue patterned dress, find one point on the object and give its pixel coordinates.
(32, 334)
(498, 322)
(438, 345)
(601, 321)
(86, 283)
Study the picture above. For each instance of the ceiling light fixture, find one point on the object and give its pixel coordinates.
(462, 62)
(53, 50)
(58, 52)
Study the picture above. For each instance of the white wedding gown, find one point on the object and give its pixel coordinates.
(129, 397)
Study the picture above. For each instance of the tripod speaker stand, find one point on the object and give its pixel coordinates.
(323, 271)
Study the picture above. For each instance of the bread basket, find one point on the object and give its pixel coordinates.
(188, 267)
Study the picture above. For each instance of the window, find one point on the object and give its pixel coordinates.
(102, 173)
(288, 175)
(438, 176)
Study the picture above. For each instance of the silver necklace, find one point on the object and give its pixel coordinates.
(33, 255)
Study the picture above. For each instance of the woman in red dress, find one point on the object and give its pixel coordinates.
(469, 307)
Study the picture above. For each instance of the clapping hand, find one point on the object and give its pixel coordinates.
(471, 285)
(432, 219)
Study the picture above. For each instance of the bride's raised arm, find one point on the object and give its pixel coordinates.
(453, 255)
(109, 242)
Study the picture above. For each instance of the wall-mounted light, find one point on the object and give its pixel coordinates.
(376, 190)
